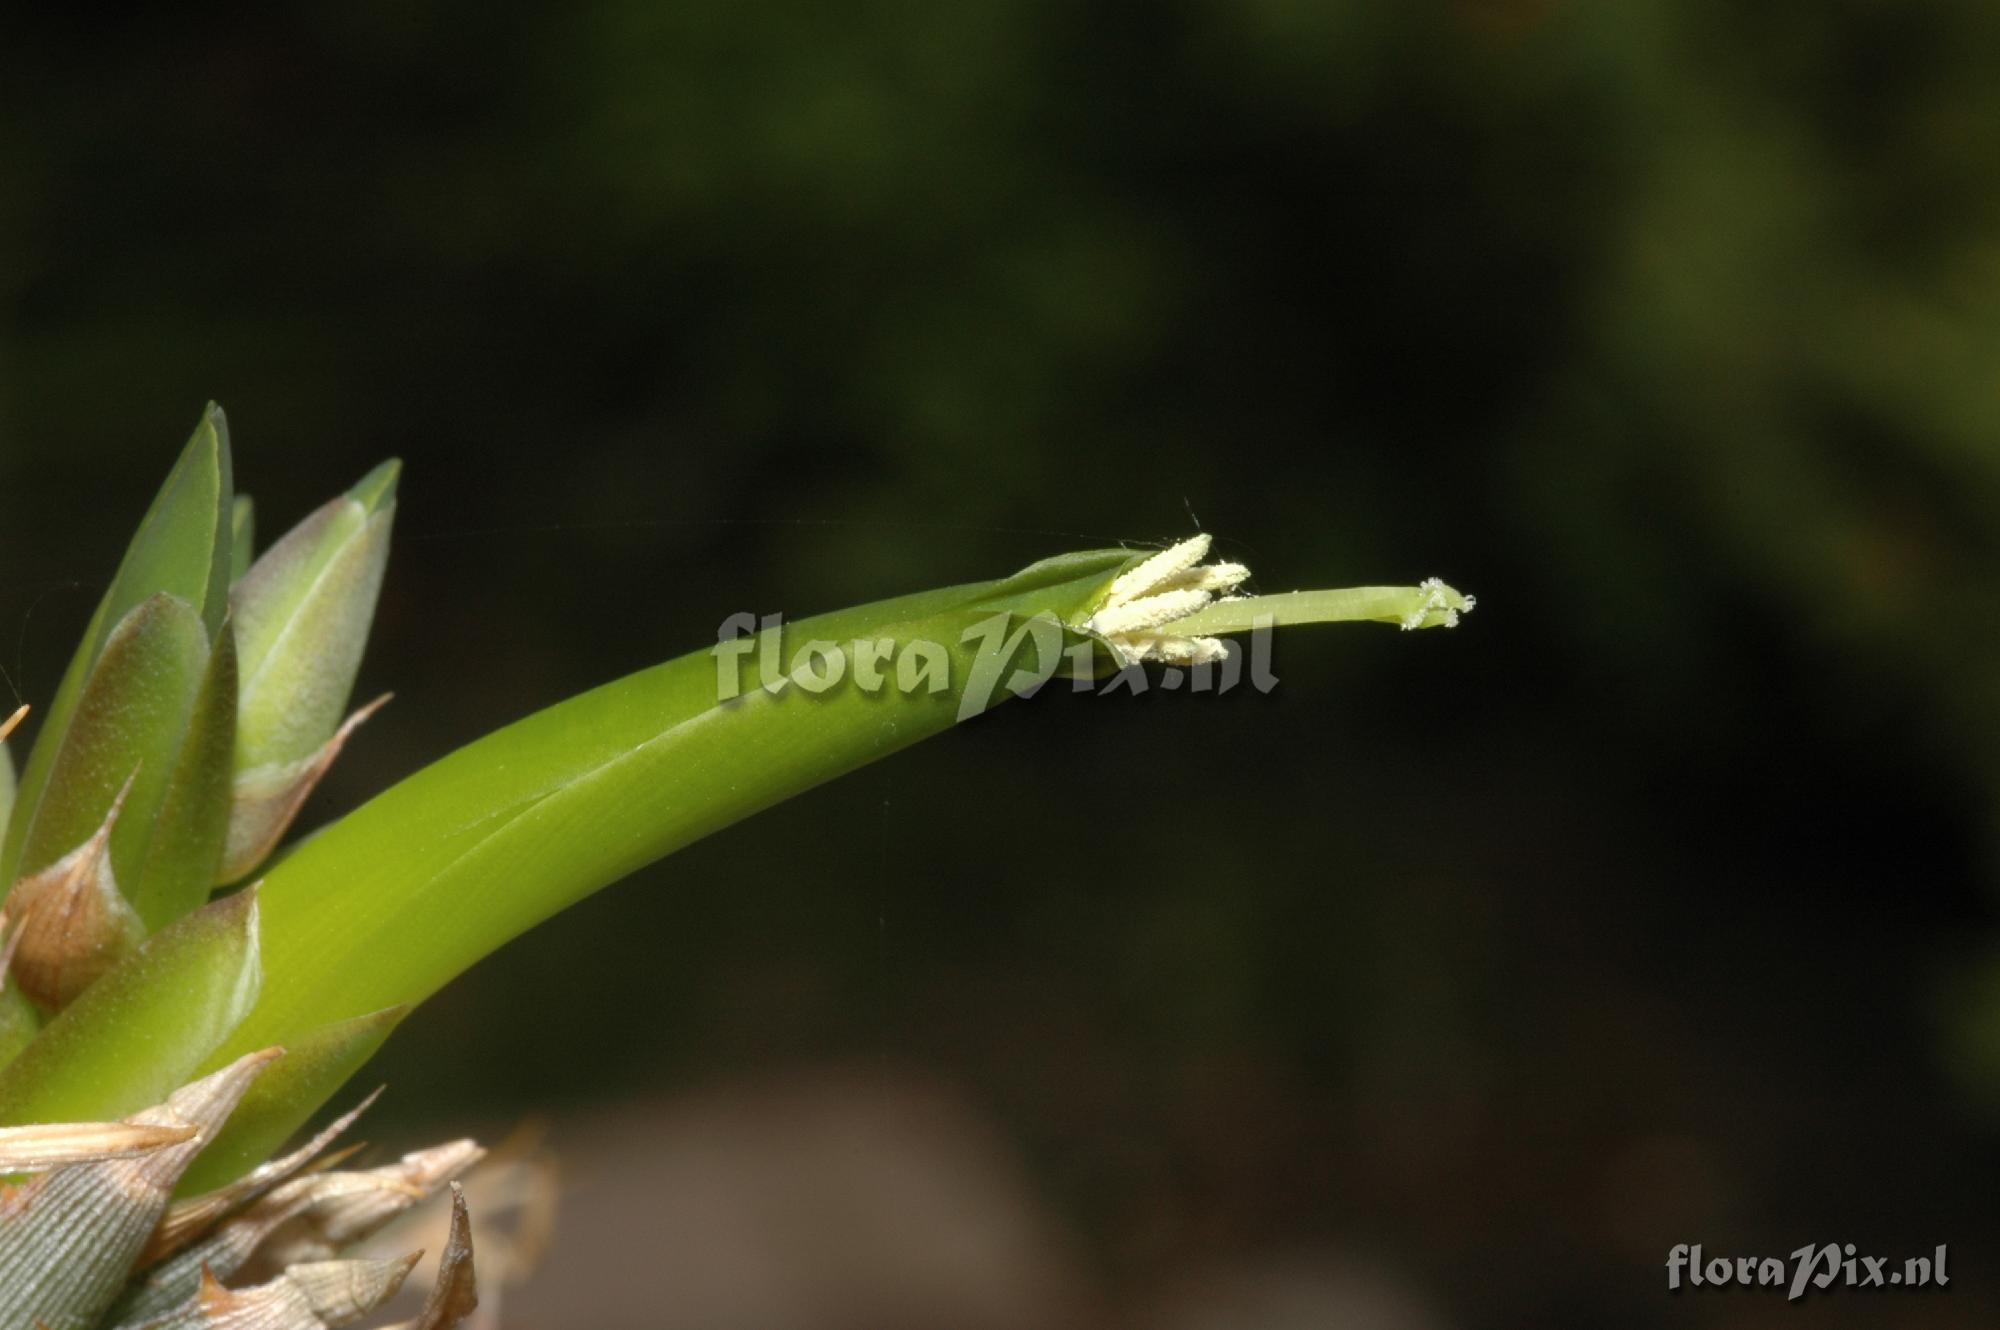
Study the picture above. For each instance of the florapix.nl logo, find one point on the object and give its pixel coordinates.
(1001, 653)
(1811, 1268)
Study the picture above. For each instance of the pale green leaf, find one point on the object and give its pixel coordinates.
(302, 618)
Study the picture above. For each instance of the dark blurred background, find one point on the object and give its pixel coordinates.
(1448, 986)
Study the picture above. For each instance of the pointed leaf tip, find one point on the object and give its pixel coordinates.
(377, 489)
(266, 800)
(75, 923)
(455, 1294)
(189, 1219)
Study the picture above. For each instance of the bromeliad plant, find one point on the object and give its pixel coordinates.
(164, 1028)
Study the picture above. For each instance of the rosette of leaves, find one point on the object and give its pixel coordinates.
(170, 1019)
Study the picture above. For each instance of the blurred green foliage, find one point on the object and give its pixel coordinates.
(1672, 329)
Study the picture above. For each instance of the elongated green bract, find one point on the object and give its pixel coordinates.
(395, 899)
(391, 902)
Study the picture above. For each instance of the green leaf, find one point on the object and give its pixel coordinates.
(146, 1027)
(192, 824)
(302, 617)
(127, 725)
(182, 549)
(158, 710)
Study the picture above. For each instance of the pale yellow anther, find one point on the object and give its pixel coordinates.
(1158, 571)
(1139, 612)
